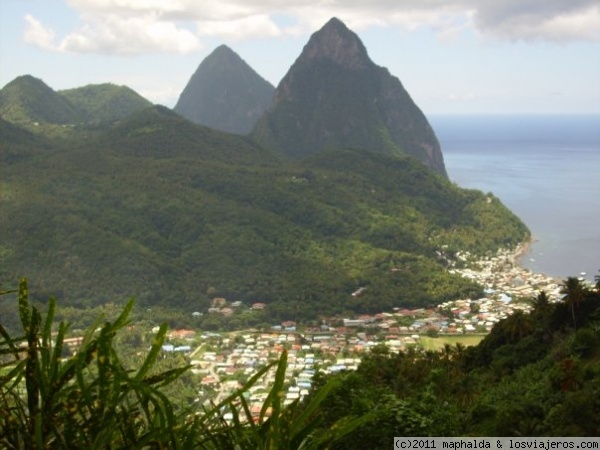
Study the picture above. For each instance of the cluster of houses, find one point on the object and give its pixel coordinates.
(223, 361)
(502, 277)
(234, 358)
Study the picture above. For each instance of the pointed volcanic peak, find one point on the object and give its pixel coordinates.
(28, 100)
(337, 43)
(334, 96)
(225, 93)
(105, 102)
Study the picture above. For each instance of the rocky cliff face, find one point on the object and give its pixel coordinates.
(335, 42)
(225, 93)
(335, 96)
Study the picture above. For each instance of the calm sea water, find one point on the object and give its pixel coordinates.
(546, 169)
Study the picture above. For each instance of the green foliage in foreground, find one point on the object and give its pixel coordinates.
(92, 400)
(535, 374)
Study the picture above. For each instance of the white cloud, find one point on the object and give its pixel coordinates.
(585, 25)
(359, 14)
(252, 26)
(139, 26)
(37, 34)
(550, 20)
(130, 35)
(109, 33)
(116, 6)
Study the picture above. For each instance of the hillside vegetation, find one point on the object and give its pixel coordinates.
(104, 102)
(27, 101)
(535, 374)
(104, 197)
(30, 103)
(174, 213)
(107, 397)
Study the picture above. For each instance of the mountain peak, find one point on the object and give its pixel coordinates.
(27, 100)
(223, 55)
(29, 80)
(225, 93)
(336, 42)
(224, 50)
(334, 96)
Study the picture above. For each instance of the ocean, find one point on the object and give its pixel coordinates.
(546, 169)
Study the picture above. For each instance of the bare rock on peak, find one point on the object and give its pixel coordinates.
(334, 96)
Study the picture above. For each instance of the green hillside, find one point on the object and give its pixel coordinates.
(175, 214)
(534, 374)
(158, 132)
(28, 101)
(31, 104)
(105, 102)
(18, 143)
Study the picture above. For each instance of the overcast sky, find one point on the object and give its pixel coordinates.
(453, 56)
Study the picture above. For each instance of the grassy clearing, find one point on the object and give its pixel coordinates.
(436, 343)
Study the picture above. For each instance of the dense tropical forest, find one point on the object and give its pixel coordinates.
(340, 187)
(175, 214)
(535, 374)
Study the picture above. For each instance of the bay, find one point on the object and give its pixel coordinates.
(546, 169)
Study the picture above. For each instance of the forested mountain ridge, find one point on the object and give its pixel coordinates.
(28, 100)
(225, 93)
(334, 96)
(105, 102)
(30, 103)
(173, 213)
(158, 132)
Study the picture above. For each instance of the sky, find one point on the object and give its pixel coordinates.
(452, 56)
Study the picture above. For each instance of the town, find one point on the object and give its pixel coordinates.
(224, 361)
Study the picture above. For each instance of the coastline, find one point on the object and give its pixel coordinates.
(503, 274)
(559, 204)
(522, 250)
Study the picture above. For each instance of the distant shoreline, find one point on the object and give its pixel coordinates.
(522, 250)
(544, 169)
(525, 248)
